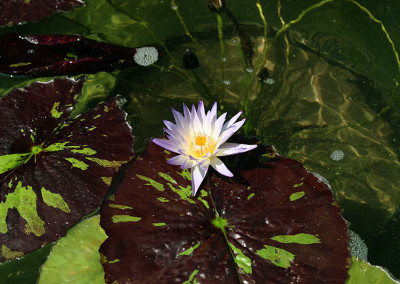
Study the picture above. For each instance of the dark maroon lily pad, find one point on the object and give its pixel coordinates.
(54, 169)
(50, 55)
(14, 12)
(273, 223)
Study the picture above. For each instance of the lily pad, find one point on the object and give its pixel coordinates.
(75, 258)
(245, 229)
(54, 168)
(49, 55)
(14, 12)
(363, 272)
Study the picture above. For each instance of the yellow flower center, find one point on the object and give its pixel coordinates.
(201, 145)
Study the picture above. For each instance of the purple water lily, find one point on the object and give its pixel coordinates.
(199, 139)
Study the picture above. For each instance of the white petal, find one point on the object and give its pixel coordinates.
(231, 121)
(166, 144)
(227, 149)
(205, 164)
(169, 124)
(186, 112)
(187, 164)
(229, 132)
(198, 175)
(201, 113)
(218, 126)
(220, 167)
(177, 160)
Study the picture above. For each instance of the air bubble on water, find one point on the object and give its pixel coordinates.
(337, 155)
(226, 82)
(249, 70)
(358, 247)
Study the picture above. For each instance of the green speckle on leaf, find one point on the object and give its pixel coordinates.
(97, 116)
(24, 200)
(107, 180)
(36, 149)
(204, 202)
(54, 111)
(189, 250)
(92, 128)
(192, 280)
(9, 254)
(84, 151)
(242, 261)
(167, 152)
(125, 218)
(277, 256)
(304, 239)
(167, 178)
(203, 193)
(162, 199)
(106, 163)
(185, 174)
(122, 207)
(220, 223)
(250, 196)
(299, 184)
(77, 163)
(55, 200)
(114, 260)
(297, 195)
(11, 161)
(159, 224)
(21, 63)
(183, 192)
(153, 183)
(56, 147)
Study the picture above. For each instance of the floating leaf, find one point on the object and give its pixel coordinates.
(245, 229)
(363, 272)
(75, 258)
(58, 168)
(49, 55)
(14, 12)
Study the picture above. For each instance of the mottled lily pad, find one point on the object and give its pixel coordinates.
(75, 258)
(248, 229)
(14, 12)
(363, 272)
(49, 55)
(54, 168)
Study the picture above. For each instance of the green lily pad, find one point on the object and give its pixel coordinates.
(75, 258)
(54, 168)
(363, 272)
(245, 229)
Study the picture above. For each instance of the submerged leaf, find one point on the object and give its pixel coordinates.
(58, 168)
(14, 12)
(245, 229)
(49, 55)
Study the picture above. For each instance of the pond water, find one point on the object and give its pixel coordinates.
(323, 89)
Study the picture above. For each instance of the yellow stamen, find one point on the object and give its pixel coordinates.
(200, 140)
(201, 145)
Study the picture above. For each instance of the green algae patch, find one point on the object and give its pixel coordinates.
(9, 254)
(162, 199)
(75, 257)
(153, 183)
(77, 163)
(54, 200)
(122, 207)
(189, 250)
(192, 279)
(24, 200)
(84, 151)
(11, 161)
(277, 256)
(167, 177)
(125, 218)
(106, 163)
(54, 111)
(296, 195)
(303, 239)
(241, 260)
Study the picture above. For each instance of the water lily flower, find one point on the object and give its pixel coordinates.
(199, 139)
